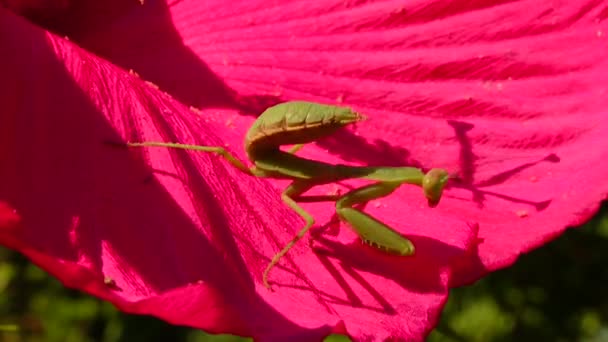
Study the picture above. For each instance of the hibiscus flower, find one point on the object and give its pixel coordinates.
(509, 97)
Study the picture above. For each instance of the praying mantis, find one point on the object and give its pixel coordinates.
(297, 123)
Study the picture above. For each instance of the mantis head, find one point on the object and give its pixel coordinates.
(433, 183)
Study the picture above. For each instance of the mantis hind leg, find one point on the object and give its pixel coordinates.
(213, 149)
(293, 190)
(371, 230)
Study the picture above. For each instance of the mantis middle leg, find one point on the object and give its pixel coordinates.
(295, 189)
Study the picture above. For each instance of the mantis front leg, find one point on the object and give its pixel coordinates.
(372, 231)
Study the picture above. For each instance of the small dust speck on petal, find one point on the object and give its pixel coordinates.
(195, 110)
(600, 33)
(108, 281)
(533, 179)
(335, 191)
(230, 122)
(522, 213)
(152, 85)
(134, 73)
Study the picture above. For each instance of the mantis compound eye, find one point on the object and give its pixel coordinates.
(433, 183)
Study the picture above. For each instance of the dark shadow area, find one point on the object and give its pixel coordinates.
(143, 38)
(468, 265)
(465, 178)
(354, 148)
(343, 262)
(466, 156)
(505, 175)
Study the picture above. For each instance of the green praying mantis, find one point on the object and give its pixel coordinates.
(297, 123)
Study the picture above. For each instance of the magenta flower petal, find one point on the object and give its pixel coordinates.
(507, 96)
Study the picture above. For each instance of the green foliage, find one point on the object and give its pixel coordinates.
(556, 293)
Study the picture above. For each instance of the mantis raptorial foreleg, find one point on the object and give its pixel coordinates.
(372, 231)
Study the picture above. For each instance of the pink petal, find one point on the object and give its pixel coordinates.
(184, 236)
(510, 96)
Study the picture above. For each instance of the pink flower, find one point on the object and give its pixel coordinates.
(509, 96)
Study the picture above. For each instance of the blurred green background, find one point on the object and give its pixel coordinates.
(556, 293)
